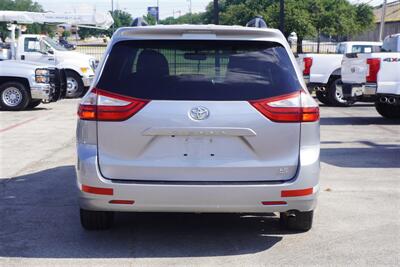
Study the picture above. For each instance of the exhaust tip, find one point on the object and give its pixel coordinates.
(383, 99)
(391, 100)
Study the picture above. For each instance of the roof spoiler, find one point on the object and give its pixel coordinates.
(257, 22)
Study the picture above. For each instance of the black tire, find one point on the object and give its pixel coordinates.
(388, 111)
(14, 96)
(332, 96)
(75, 87)
(321, 96)
(34, 103)
(297, 220)
(96, 220)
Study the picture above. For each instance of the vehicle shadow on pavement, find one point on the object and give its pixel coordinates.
(384, 155)
(358, 121)
(40, 219)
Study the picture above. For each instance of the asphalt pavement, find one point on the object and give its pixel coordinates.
(357, 221)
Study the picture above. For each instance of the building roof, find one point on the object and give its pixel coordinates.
(392, 12)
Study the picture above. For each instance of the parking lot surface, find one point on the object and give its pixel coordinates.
(357, 221)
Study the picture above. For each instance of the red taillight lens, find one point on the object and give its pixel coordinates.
(105, 106)
(307, 65)
(374, 66)
(97, 190)
(294, 107)
(297, 192)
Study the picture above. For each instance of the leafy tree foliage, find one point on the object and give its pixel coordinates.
(308, 18)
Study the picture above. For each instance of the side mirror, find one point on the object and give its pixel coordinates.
(50, 51)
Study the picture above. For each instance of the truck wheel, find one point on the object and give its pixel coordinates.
(14, 96)
(321, 96)
(335, 97)
(34, 103)
(388, 111)
(96, 220)
(74, 85)
(297, 220)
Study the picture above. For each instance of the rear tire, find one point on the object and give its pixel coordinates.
(321, 96)
(14, 96)
(96, 220)
(335, 98)
(297, 220)
(388, 111)
(34, 103)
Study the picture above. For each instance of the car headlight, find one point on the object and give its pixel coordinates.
(42, 76)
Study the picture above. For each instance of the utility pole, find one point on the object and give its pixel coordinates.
(216, 12)
(112, 14)
(158, 11)
(382, 25)
(282, 15)
(190, 6)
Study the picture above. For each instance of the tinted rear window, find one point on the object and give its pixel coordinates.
(199, 70)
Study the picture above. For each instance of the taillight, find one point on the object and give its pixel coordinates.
(294, 107)
(307, 65)
(374, 66)
(105, 106)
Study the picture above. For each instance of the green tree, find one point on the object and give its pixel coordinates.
(297, 19)
(121, 19)
(151, 20)
(193, 18)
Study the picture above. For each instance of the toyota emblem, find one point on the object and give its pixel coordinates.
(199, 113)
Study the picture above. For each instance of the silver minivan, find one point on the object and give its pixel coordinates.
(198, 118)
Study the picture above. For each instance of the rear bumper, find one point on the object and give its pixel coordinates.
(183, 197)
(359, 92)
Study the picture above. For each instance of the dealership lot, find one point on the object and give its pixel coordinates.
(357, 220)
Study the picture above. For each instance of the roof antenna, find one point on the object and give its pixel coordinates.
(139, 21)
(257, 22)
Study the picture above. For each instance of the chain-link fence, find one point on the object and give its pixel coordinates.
(324, 48)
(96, 51)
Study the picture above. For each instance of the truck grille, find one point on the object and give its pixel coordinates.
(58, 82)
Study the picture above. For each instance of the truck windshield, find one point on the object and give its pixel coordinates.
(54, 44)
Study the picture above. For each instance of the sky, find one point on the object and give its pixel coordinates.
(139, 7)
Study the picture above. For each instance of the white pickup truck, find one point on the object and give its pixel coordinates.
(40, 48)
(322, 72)
(24, 85)
(375, 77)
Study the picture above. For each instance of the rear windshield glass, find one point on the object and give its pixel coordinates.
(199, 70)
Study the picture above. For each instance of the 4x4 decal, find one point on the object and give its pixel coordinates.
(392, 59)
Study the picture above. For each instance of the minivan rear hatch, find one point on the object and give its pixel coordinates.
(194, 119)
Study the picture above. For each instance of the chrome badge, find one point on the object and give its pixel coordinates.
(199, 113)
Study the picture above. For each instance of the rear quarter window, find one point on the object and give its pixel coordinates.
(199, 70)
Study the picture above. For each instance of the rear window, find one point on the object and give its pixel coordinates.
(390, 45)
(199, 70)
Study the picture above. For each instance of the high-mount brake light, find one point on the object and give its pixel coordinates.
(307, 65)
(101, 105)
(294, 107)
(374, 66)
